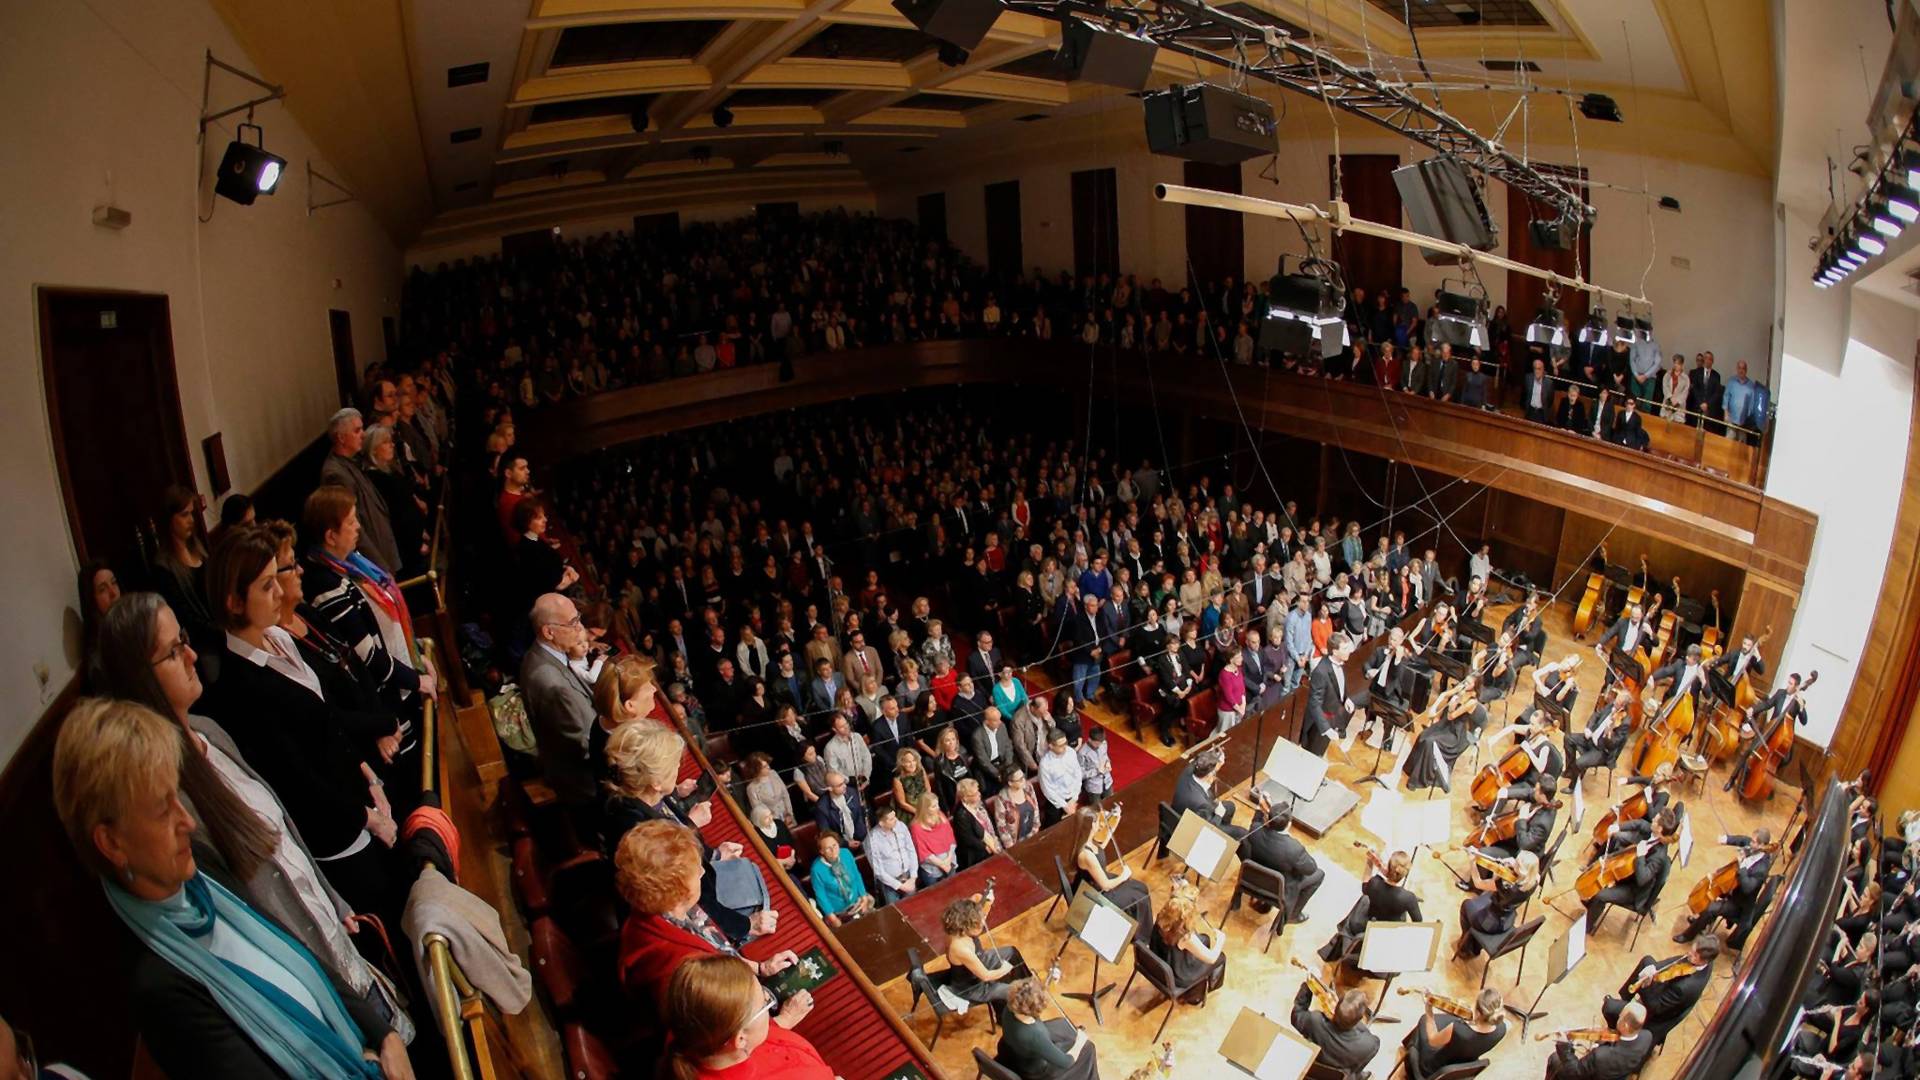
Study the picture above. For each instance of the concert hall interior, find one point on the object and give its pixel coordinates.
(919, 539)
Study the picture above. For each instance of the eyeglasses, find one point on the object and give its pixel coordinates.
(178, 651)
(766, 1007)
(291, 568)
(573, 622)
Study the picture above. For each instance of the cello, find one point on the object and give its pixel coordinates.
(1770, 750)
(1593, 600)
(1632, 808)
(1663, 639)
(1487, 783)
(1710, 634)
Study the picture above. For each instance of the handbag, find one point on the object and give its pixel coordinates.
(509, 712)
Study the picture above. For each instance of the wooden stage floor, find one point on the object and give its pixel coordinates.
(1267, 982)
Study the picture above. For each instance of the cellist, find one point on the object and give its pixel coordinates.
(1628, 632)
(1686, 677)
(1753, 865)
(1623, 834)
(1649, 873)
(1669, 988)
(1534, 828)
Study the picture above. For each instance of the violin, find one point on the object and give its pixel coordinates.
(1323, 995)
(1497, 868)
(1441, 1003)
(1105, 824)
(1581, 1036)
(1678, 970)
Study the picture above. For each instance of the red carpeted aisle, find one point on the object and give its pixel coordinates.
(1130, 762)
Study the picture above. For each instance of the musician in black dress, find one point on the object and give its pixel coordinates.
(1192, 950)
(1090, 867)
(1668, 989)
(1447, 738)
(1384, 897)
(1036, 1049)
(1503, 668)
(1488, 916)
(1442, 1039)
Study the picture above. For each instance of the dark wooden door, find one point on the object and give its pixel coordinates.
(1524, 291)
(932, 211)
(1096, 222)
(113, 404)
(1216, 239)
(1366, 181)
(346, 372)
(1004, 256)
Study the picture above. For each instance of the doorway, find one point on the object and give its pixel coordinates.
(113, 404)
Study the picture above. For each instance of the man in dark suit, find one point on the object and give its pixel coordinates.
(891, 731)
(1177, 683)
(985, 660)
(1627, 633)
(992, 751)
(1535, 828)
(841, 810)
(1271, 847)
(1666, 989)
(1746, 660)
(1607, 1061)
(1343, 1038)
(1600, 743)
(1752, 867)
(1706, 394)
(560, 706)
(1572, 415)
(1194, 791)
(1649, 874)
(823, 688)
(1523, 623)
(1536, 393)
(1625, 428)
(1444, 378)
(1086, 652)
(1683, 676)
(1329, 704)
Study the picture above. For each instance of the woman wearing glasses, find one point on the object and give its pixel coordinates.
(718, 1027)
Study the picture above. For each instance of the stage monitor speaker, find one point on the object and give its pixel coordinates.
(958, 22)
(1209, 123)
(1442, 200)
(1109, 58)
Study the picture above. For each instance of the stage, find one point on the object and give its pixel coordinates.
(1026, 887)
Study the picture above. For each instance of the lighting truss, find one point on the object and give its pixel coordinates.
(1195, 29)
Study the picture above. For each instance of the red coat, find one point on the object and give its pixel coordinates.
(651, 950)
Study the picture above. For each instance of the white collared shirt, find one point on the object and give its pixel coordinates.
(283, 658)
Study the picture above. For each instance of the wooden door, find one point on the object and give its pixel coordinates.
(1216, 239)
(113, 404)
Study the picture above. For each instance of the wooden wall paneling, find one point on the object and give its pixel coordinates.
(1216, 239)
(1096, 221)
(1699, 574)
(1374, 263)
(1524, 534)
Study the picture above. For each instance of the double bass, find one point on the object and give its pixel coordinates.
(1710, 633)
(1593, 600)
(1663, 639)
(1720, 736)
(1744, 695)
(1769, 751)
(1660, 741)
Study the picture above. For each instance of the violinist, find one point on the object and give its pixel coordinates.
(1650, 869)
(1555, 681)
(1388, 674)
(1271, 847)
(1445, 1039)
(1384, 897)
(1501, 669)
(1487, 917)
(1606, 733)
(1194, 791)
(1534, 827)
(1449, 734)
(1736, 907)
(1614, 1059)
(1472, 604)
(1668, 989)
(1090, 866)
(1344, 1039)
(1524, 624)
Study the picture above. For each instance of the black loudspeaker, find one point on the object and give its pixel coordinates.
(958, 22)
(1442, 200)
(1283, 335)
(1090, 54)
(1209, 123)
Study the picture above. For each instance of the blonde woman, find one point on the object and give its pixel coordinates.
(625, 691)
(1674, 390)
(643, 767)
(933, 840)
(909, 780)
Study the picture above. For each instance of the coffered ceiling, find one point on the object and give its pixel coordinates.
(528, 105)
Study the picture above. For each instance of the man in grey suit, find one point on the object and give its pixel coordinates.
(346, 432)
(992, 751)
(560, 704)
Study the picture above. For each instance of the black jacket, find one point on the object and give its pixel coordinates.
(1326, 707)
(1607, 1061)
(1351, 1049)
(1275, 850)
(1388, 902)
(1668, 1000)
(1189, 795)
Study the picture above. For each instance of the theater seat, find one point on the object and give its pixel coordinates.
(1200, 715)
(587, 1057)
(1146, 703)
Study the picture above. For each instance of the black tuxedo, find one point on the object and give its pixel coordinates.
(1626, 429)
(1736, 907)
(1327, 711)
(1607, 1061)
(1301, 873)
(1638, 892)
(1190, 794)
(1667, 1003)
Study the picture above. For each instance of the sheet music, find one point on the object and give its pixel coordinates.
(1402, 748)
(1209, 846)
(1399, 949)
(1285, 1059)
(1423, 824)
(1106, 932)
(1336, 895)
(1381, 816)
(1686, 839)
(1576, 944)
(1294, 768)
(1579, 806)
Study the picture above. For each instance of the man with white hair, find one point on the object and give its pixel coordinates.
(560, 704)
(345, 434)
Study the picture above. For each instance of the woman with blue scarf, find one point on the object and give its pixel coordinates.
(217, 990)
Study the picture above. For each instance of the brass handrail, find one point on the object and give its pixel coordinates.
(447, 1002)
(429, 731)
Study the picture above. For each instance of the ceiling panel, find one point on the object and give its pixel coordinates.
(1441, 14)
(617, 105)
(624, 43)
(943, 102)
(1038, 65)
(849, 41)
(765, 96)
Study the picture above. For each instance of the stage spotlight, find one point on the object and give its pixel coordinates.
(1594, 330)
(1304, 308)
(1461, 320)
(247, 171)
(1549, 327)
(1906, 167)
(722, 117)
(1600, 107)
(1882, 218)
(1903, 203)
(1867, 245)
(1626, 329)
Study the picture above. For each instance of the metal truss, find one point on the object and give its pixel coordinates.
(1269, 53)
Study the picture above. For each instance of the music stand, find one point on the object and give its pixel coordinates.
(1397, 721)
(1454, 670)
(1553, 708)
(1100, 925)
(1265, 1049)
(1206, 848)
(1388, 949)
(1293, 772)
(1477, 632)
(1566, 951)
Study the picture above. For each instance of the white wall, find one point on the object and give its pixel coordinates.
(487, 244)
(1722, 300)
(103, 99)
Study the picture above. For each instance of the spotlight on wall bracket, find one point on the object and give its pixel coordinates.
(1600, 107)
(1594, 330)
(1549, 325)
(247, 170)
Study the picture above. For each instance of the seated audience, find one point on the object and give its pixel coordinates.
(933, 840)
(718, 1027)
(838, 890)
